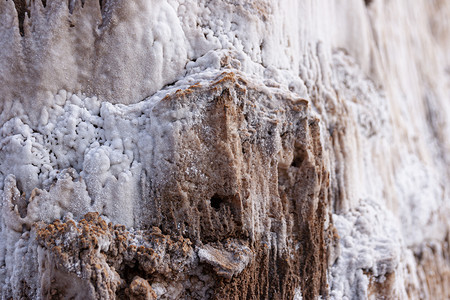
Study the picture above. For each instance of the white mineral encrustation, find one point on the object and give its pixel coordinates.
(226, 149)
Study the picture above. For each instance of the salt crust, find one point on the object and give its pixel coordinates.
(58, 144)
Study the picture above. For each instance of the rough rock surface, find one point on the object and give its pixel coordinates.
(197, 149)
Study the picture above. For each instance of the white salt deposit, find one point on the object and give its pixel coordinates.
(78, 90)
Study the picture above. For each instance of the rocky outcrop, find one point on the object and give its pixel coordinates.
(242, 185)
(224, 149)
(95, 260)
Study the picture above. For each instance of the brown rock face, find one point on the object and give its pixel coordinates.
(210, 149)
(433, 270)
(247, 165)
(103, 261)
(243, 210)
(140, 289)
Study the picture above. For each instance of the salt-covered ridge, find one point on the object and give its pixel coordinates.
(128, 51)
(77, 122)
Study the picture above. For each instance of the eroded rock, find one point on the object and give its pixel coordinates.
(199, 149)
(229, 260)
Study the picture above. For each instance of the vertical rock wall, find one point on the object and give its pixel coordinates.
(224, 149)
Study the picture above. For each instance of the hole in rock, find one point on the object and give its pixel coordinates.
(216, 201)
(299, 157)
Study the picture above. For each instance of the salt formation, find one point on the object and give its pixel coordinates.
(231, 149)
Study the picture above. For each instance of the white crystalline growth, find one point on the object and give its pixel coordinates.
(76, 148)
(122, 54)
(370, 243)
(75, 113)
